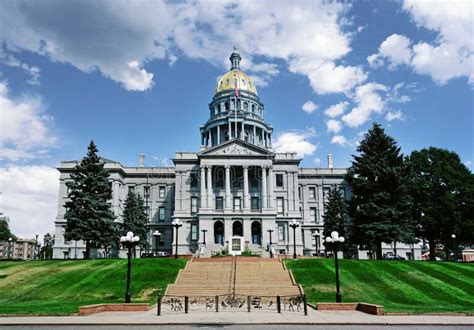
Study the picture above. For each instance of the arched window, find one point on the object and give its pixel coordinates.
(226, 106)
(253, 107)
(227, 82)
(246, 106)
(243, 82)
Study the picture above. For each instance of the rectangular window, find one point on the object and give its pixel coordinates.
(280, 207)
(255, 205)
(219, 203)
(194, 232)
(312, 214)
(131, 188)
(194, 205)
(161, 238)
(279, 180)
(161, 192)
(312, 192)
(236, 203)
(326, 194)
(281, 233)
(161, 213)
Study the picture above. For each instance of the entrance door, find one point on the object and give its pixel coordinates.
(219, 232)
(237, 229)
(256, 233)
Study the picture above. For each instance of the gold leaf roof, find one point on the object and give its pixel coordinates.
(227, 82)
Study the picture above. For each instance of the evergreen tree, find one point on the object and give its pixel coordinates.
(135, 217)
(335, 214)
(443, 193)
(380, 204)
(5, 232)
(46, 251)
(89, 214)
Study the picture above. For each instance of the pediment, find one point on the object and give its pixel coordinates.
(236, 147)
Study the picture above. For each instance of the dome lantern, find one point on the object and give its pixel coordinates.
(235, 60)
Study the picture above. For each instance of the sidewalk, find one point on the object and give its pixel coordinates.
(266, 317)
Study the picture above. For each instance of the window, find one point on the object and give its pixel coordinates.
(246, 106)
(255, 203)
(161, 213)
(326, 194)
(131, 188)
(279, 180)
(280, 207)
(281, 233)
(194, 180)
(227, 82)
(312, 192)
(161, 238)
(219, 203)
(146, 192)
(236, 203)
(194, 232)
(312, 214)
(194, 205)
(161, 192)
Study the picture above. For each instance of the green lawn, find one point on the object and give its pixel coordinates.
(60, 287)
(400, 286)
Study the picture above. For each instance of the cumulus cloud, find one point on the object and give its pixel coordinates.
(309, 107)
(120, 37)
(29, 198)
(394, 115)
(334, 126)
(25, 131)
(336, 110)
(295, 141)
(368, 101)
(395, 49)
(340, 140)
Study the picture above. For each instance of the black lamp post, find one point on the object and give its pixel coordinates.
(270, 231)
(10, 248)
(129, 241)
(453, 236)
(36, 247)
(204, 231)
(335, 240)
(294, 224)
(157, 235)
(176, 224)
(316, 242)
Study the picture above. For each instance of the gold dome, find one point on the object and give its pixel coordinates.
(228, 81)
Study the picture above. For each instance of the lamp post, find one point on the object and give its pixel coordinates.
(176, 224)
(270, 231)
(10, 248)
(316, 243)
(157, 235)
(36, 246)
(129, 241)
(294, 224)
(204, 231)
(453, 236)
(335, 239)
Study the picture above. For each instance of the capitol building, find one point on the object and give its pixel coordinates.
(236, 186)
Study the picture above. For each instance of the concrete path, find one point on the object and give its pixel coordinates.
(225, 318)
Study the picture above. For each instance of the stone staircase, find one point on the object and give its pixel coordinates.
(234, 275)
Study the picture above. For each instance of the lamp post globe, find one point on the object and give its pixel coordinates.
(176, 224)
(335, 239)
(157, 235)
(204, 231)
(10, 248)
(316, 235)
(294, 224)
(129, 241)
(453, 236)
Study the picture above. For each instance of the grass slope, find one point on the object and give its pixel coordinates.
(60, 287)
(400, 286)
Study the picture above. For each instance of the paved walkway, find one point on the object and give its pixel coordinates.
(313, 317)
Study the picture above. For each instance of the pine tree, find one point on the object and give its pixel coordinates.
(135, 217)
(335, 214)
(380, 205)
(443, 192)
(89, 214)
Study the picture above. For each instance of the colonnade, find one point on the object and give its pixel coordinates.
(213, 135)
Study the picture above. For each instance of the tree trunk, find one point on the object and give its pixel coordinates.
(88, 249)
(432, 250)
(378, 251)
(446, 251)
(395, 248)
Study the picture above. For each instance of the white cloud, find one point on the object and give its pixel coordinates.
(295, 141)
(334, 126)
(394, 115)
(29, 198)
(368, 101)
(309, 107)
(452, 54)
(308, 35)
(336, 110)
(13, 61)
(395, 49)
(339, 139)
(25, 131)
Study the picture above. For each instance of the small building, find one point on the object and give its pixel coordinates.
(468, 255)
(23, 249)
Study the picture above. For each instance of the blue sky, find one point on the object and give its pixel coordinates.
(138, 77)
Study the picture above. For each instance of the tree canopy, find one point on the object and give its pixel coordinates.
(135, 218)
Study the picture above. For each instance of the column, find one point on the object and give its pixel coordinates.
(262, 141)
(209, 138)
(269, 140)
(218, 134)
(243, 131)
(230, 131)
(264, 187)
(203, 188)
(271, 187)
(246, 188)
(228, 204)
(291, 195)
(210, 193)
(254, 139)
